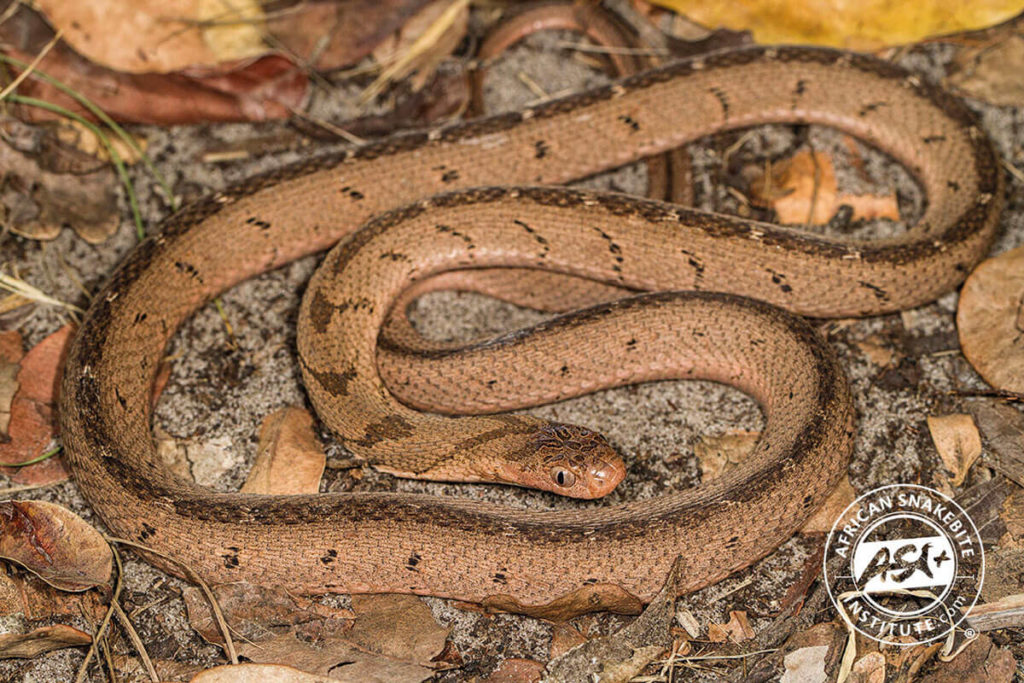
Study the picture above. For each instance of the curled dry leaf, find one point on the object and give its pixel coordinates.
(958, 442)
(564, 637)
(990, 320)
(290, 459)
(55, 544)
(26, 594)
(38, 203)
(804, 190)
(736, 630)
(32, 429)
(40, 641)
(258, 673)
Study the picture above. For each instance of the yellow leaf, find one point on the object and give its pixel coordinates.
(852, 24)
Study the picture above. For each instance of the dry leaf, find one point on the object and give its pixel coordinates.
(398, 626)
(1003, 427)
(55, 544)
(253, 612)
(24, 593)
(837, 501)
(991, 72)
(877, 351)
(868, 669)
(623, 655)
(517, 671)
(159, 35)
(803, 190)
(866, 25)
(564, 637)
(736, 630)
(335, 657)
(259, 88)
(601, 597)
(720, 453)
(688, 622)
(990, 320)
(958, 442)
(805, 665)
(38, 203)
(40, 641)
(290, 459)
(31, 428)
(257, 673)
(981, 662)
(10, 353)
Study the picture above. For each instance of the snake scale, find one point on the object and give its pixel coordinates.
(412, 235)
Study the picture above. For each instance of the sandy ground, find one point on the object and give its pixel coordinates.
(218, 395)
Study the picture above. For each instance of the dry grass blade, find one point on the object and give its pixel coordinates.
(14, 284)
(420, 46)
(26, 72)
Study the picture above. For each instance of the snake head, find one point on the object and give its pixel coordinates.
(571, 461)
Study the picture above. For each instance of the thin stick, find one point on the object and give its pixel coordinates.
(192, 576)
(27, 71)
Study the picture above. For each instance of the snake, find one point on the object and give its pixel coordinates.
(694, 295)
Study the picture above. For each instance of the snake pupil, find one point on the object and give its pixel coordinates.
(564, 477)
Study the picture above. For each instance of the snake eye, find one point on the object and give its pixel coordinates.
(563, 477)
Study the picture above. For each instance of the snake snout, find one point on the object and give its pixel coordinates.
(605, 475)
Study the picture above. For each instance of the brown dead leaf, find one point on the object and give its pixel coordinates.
(55, 544)
(877, 351)
(991, 71)
(258, 612)
(328, 35)
(868, 669)
(564, 637)
(990, 320)
(160, 36)
(398, 626)
(517, 671)
(803, 190)
(805, 664)
(335, 657)
(258, 88)
(10, 353)
(258, 673)
(25, 593)
(720, 453)
(601, 597)
(981, 662)
(290, 459)
(32, 428)
(1003, 428)
(38, 203)
(736, 630)
(40, 641)
(837, 501)
(958, 442)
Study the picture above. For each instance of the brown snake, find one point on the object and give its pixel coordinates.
(516, 559)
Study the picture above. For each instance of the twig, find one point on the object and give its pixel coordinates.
(27, 71)
(192, 576)
(137, 643)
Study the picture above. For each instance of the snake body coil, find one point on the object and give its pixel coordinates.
(515, 559)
